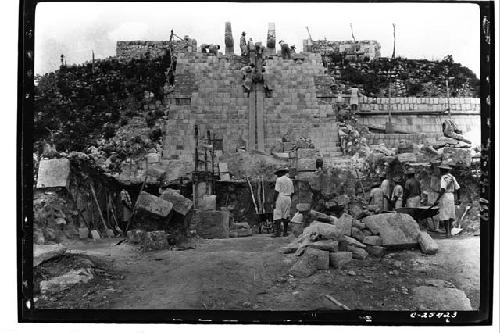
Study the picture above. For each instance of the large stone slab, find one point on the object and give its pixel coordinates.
(306, 164)
(321, 230)
(395, 229)
(339, 259)
(345, 224)
(325, 245)
(53, 173)
(311, 261)
(152, 205)
(211, 224)
(440, 299)
(43, 253)
(181, 204)
(427, 244)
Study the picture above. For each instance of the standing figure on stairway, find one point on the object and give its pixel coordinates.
(247, 72)
(283, 202)
(243, 45)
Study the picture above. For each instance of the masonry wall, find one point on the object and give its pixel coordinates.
(364, 48)
(138, 49)
(208, 93)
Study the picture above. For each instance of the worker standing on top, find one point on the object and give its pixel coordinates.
(446, 199)
(282, 198)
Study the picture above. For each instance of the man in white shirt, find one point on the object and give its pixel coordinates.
(282, 198)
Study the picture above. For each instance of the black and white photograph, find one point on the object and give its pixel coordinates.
(318, 163)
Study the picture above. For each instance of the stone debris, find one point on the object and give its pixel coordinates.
(339, 259)
(43, 253)
(357, 234)
(375, 251)
(352, 241)
(395, 229)
(135, 236)
(319, 230)
(345, 224)
(83, 233)
(95, 234)
(241, 229)
(325, 245)
(180, 204)
(311, 261)
(427, 244)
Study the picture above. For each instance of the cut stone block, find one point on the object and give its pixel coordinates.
(306, 164)
(352, 241)
(152, 205)
(207, 202)
(373, 240)
(309, 153)
(95, 234)
(83, 233)
(211, 224)
(357, 234)
(43, 253)
(427, 244)
(325, 245)
(339, 259)
(345, 224)
(311, 261)
(180, 204)
(357, 253)
(395, 229)
(53, 173)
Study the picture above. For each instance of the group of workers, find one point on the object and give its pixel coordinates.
(391, 194)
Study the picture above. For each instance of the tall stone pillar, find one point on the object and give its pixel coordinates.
(271, 39)
(228, 39)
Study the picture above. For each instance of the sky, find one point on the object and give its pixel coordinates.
(431, 30)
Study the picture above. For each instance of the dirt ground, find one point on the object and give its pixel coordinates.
(252, 274)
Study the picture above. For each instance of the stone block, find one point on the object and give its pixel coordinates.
(95, 234)
(345, 224)
(155, 240)
(358, 224)
(339, 259)
(53, 173)
(83, 233)
(372, 240)
(223, 167)
(353, 242)
(325, 245)
(306, 164)
(109, 233)
(357, 234)
(407, 158)
(457, 156)
(307, 153)
(180, 204)
(207, 202)
(321, 230)
(395, 229)
(153, 158)
(357, 252)
(311, 261)
(43, 253)
(303, 207)
(150, 205)
(427, 244)
(135, 236)
(375, 251)
(210, 223)
(225, 176)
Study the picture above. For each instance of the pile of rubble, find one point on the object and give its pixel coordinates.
(336, 241)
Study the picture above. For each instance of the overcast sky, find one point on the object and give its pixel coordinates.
(429, 31)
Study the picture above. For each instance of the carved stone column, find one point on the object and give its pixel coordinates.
(228, 39)
(271, 39)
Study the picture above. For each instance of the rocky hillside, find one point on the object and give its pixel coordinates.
(76, 106)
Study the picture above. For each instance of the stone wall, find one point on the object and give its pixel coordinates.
(420, 104)
(360, 49)
(139, 49)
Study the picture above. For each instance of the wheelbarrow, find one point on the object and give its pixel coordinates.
(420, 214)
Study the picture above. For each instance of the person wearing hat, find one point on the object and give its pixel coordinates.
(397, 193)
(377, 197)
(412, 191)
(446, 199)
(282, 201)
(243, 44)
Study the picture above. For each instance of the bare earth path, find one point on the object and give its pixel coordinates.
(251, 274)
